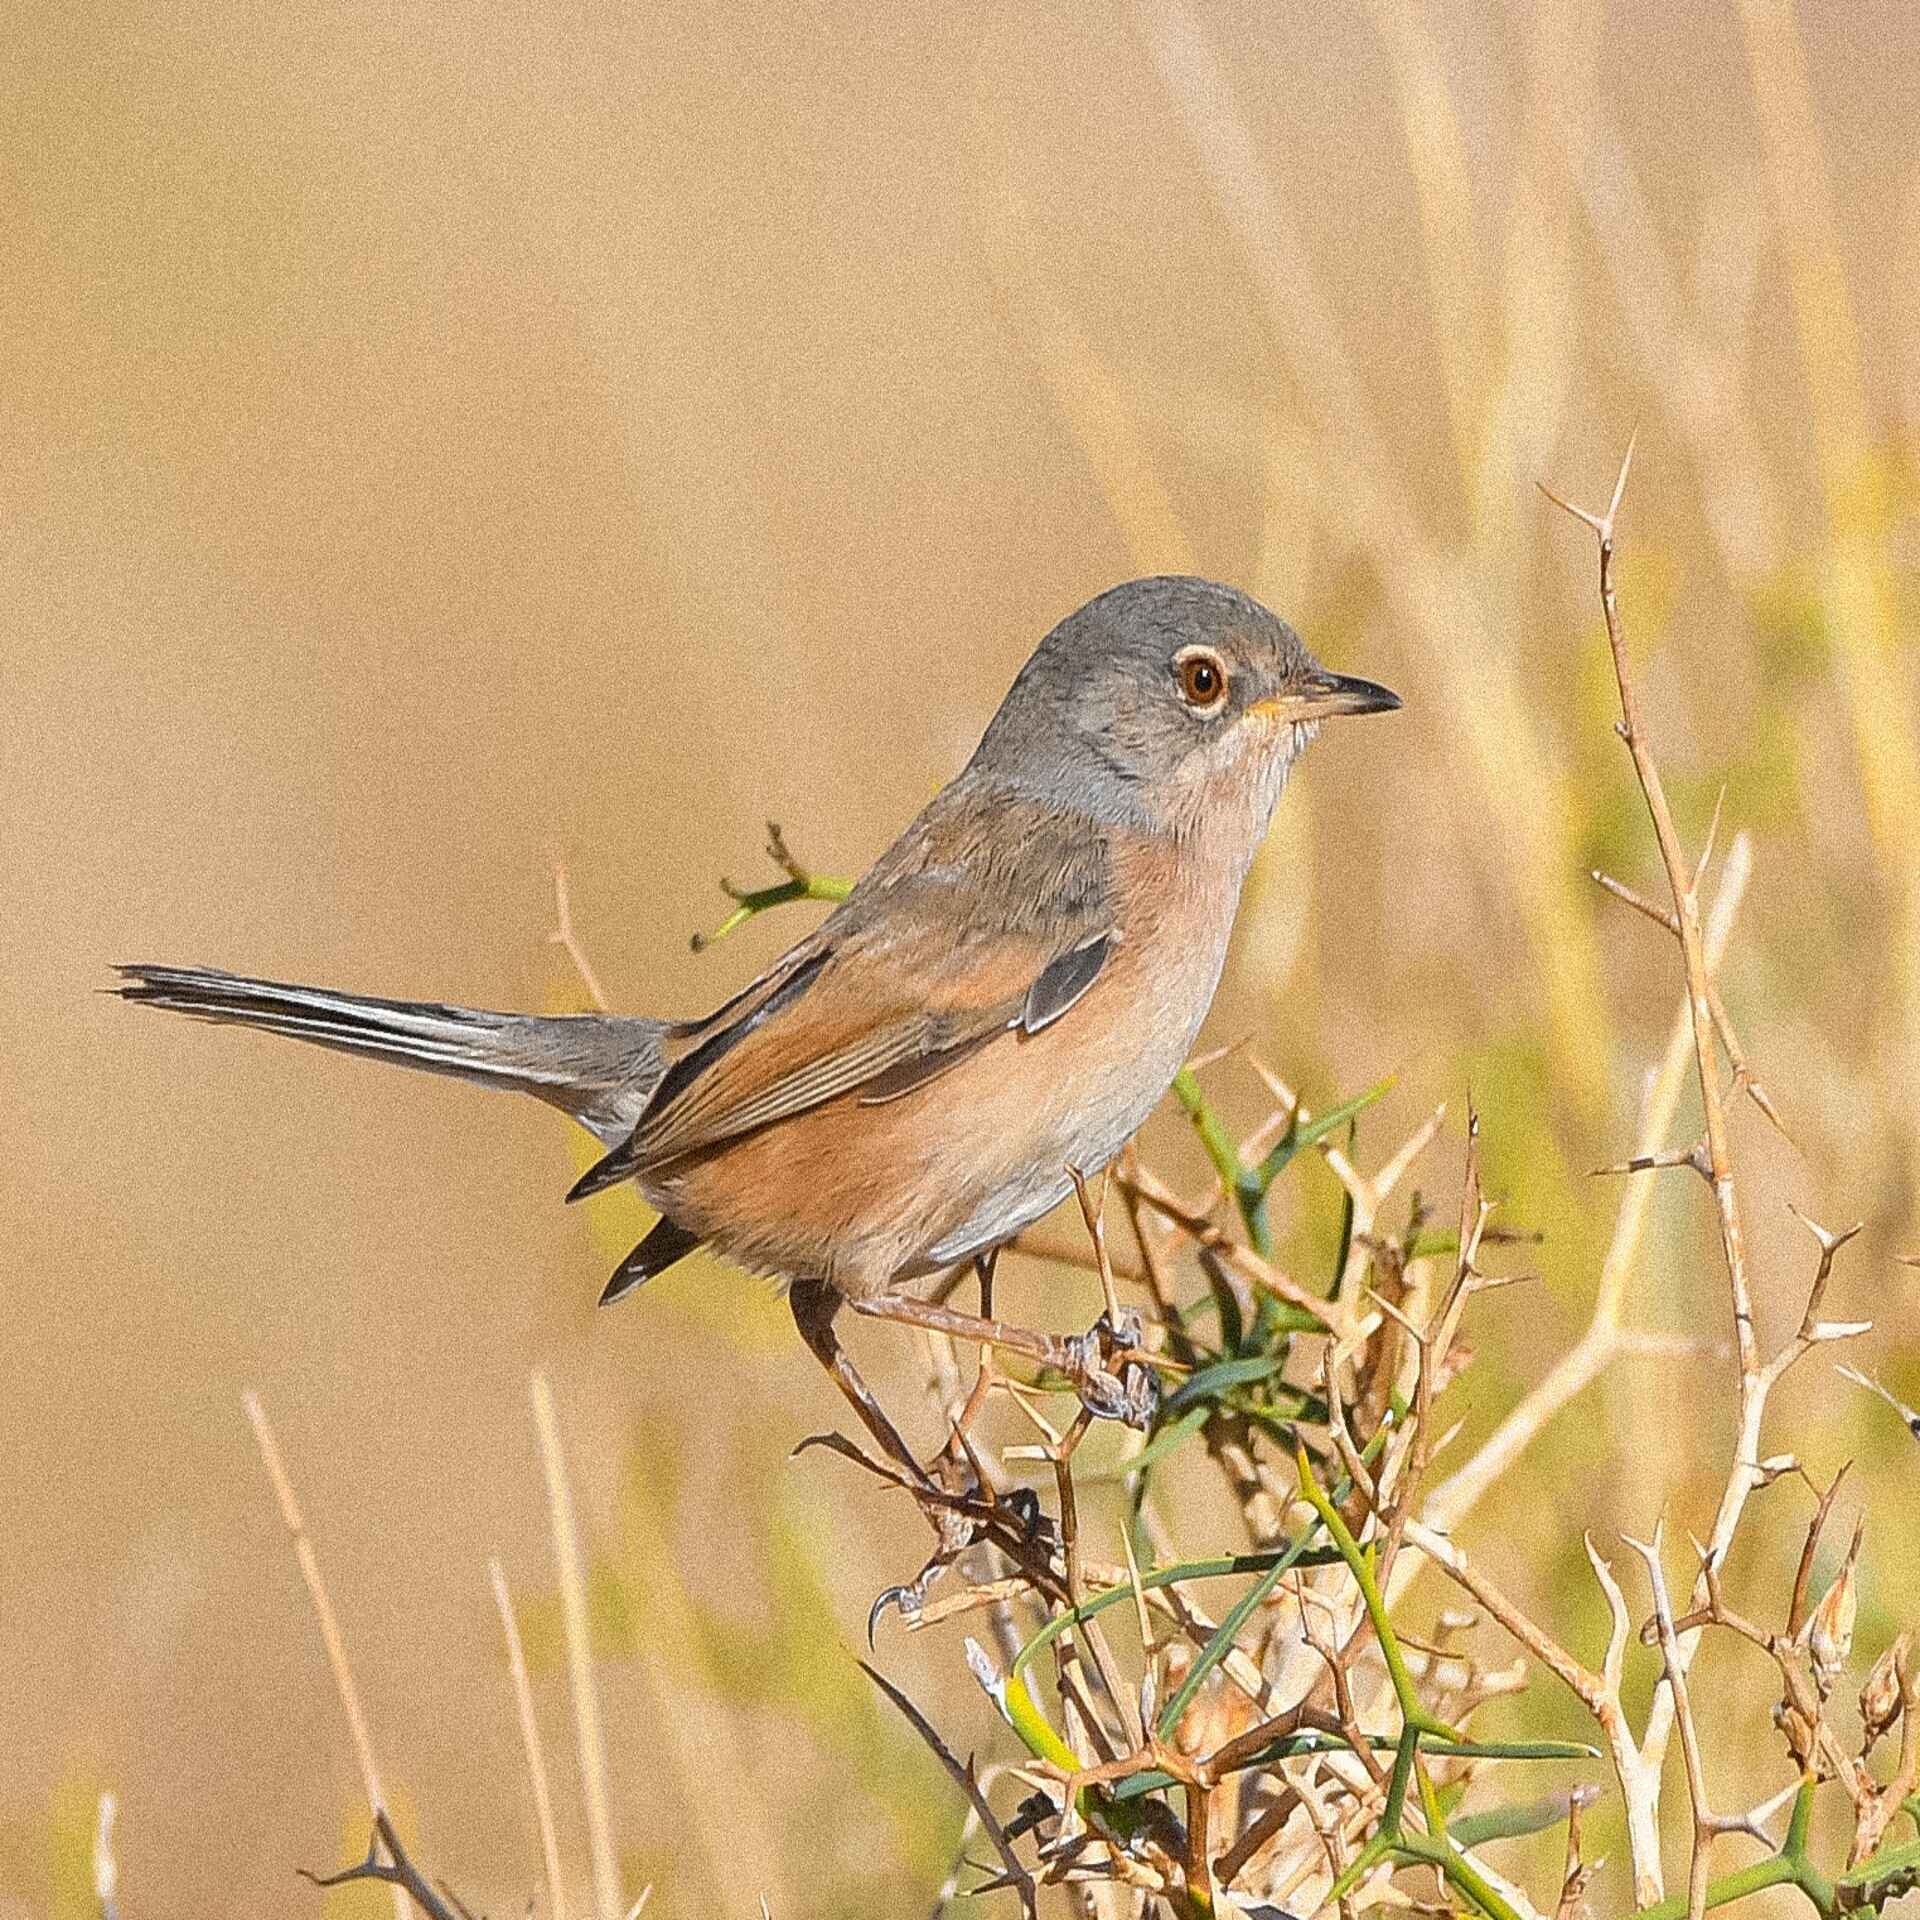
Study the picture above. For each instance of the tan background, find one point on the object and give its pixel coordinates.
(437, 439)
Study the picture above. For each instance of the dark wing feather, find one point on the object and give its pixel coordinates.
(1063, 981)
(718, 1039)
(902, 1079)
(695, 1047)
(664, 1244)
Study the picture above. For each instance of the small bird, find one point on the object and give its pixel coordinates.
(994, 1010)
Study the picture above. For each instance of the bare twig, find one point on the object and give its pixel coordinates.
(1676, 1673)
(963, 1777)
(1803, 1573)
(1607, 1335)
(395, 1871)
(1755, 1378)
(1684, 886)
(1743, 1078)
(1577, 1873)
(323, 1613)
(564, 938)
(530, 1738)
(1909, 1416)
(1589, 1687)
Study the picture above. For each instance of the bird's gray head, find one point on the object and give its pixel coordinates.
(1166, 702)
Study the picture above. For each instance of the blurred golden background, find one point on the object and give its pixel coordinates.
(440, 441)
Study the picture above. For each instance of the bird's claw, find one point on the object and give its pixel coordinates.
(1024, 1504)
(1019, 1509)
(907, 1599)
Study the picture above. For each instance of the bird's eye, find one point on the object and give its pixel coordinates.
(1201, 676)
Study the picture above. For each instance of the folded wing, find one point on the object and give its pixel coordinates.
(930, 959)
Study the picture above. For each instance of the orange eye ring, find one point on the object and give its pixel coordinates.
(1201, 676)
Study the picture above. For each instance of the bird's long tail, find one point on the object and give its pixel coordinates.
(598, 1067)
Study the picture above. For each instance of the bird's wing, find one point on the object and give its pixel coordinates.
(956, 937)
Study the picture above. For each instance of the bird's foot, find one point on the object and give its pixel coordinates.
(1110, 1373)
(971, 1514)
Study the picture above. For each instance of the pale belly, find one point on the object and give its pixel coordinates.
(1083, 1131)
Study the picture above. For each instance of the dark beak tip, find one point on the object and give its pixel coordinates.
(1364, 696)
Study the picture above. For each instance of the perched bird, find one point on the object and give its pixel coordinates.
(996, 1006)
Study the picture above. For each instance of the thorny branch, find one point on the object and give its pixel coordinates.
(1711, 1157)
(387, 1862)
(1330, 1805)
(1295, 1743)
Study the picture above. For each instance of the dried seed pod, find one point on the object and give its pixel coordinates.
(1880, 1697)
(1799, 1731)
(1830, 1630)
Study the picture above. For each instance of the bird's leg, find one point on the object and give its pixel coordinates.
(1109, 1369)
(957, 1466)
(959, 1516)
(814, 1304)
(982, 1380)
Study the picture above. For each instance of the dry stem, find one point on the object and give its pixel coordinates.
(530, 1739)
(330, 1634)
(591, 1735)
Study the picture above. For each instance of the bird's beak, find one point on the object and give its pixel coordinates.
(1325, 695)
